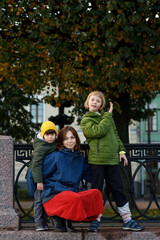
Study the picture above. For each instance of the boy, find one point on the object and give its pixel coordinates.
(43, 144)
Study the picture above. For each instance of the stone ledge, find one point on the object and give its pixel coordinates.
(82, 234)
(9, 219)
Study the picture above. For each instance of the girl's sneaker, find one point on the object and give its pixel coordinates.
(94, 226)
(133, 226)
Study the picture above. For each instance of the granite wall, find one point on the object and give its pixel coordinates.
(9, 218)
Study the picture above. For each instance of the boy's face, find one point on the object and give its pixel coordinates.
(94, 103)
(49, 137)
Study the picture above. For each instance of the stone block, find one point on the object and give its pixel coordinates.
(9, 218)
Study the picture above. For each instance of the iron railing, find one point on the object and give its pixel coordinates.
(144, 178)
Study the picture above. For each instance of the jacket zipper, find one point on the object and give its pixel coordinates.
(98, 146)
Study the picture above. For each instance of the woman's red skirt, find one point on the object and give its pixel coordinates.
(81, 206)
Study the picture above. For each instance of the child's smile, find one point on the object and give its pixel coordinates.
(94, 103)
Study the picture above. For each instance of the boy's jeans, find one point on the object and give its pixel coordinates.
(40, 217)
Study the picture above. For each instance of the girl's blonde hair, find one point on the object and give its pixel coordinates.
(98, 94)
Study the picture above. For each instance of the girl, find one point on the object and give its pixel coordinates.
(105, 151)
(62, 173)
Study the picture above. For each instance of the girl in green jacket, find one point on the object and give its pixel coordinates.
(106, 150)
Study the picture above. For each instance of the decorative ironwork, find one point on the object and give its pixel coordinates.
(145, 162)
(22, 154)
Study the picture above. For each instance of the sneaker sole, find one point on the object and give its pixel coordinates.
(132, 229)
(71, 230)
(93, 230)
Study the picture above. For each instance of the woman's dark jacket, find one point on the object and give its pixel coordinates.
(63, 170)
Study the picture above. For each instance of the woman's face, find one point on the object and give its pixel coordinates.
(94, 103)
(69, 141)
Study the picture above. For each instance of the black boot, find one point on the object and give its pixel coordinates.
(69, 226)
(57, 224)
(63, 221)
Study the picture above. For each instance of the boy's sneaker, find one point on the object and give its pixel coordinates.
(40, 227)
(133, 226)
(94, 226)
(46, 227)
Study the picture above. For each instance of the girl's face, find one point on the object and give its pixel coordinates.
(94, 103)
(69, 141)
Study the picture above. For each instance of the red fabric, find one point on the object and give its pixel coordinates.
(81, 206)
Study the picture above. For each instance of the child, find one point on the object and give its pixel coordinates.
(105, 150)
(43, 144)
(62, 173)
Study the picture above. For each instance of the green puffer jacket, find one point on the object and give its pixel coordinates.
(102, 136)
(41, 149)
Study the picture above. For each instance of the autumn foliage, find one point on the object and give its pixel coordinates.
(81, 46)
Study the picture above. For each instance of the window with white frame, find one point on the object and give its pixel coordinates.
(37, 112)
(153, 120)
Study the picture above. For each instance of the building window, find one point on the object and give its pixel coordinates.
(37, 112)
(153, 123)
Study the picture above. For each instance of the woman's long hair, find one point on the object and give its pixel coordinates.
(62, 134)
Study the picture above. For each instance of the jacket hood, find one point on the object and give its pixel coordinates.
(40, 137)
(92, 114)
(68, 151)
(40, 142)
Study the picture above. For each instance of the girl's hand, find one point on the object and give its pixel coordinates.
(123, 156)
(111, 107)
(40, 186)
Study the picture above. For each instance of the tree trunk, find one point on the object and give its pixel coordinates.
(122, 119)
(122, 124)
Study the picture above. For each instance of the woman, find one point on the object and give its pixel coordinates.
(62, 173)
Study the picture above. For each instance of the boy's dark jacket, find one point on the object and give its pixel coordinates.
(41, 149)
(62, 170)
(102, 137)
